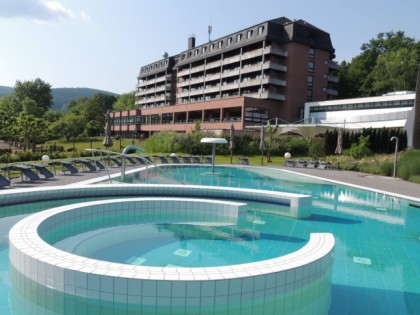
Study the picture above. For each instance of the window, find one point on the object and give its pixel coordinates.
(310, 80)
(204, 50)
(311, 52)
(249, 34)
(211, 47)
(238, 38)
(220, 44)
(311, 66)
(196, 52)
(229, 41)
(260, 30)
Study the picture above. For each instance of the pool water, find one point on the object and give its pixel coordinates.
(180, 245)
(377, 253)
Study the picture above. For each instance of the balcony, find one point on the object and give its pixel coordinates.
(197, 69)
(276, 51)
(251, 68)
(212, 89)
(199, 91)
(183, 94)
(230, 86)
(183, 72)
(214, 64)
(182, 84)
(332, 65)
(230, 60)
(230, 73)
(197, 80)
(212, 77)
(332, 78)
(277, 82)
(332, 92)
(275, 66)
(268, 95)
(251, 82)
(252, 54)
(164, 97)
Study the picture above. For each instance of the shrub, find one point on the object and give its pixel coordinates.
(297, 146)
(415, 179)
(409, 164)
(316, 148)
(360, 149)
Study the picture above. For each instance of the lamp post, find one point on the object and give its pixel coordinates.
(395, 154)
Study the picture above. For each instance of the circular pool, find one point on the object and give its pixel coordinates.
(303, 273)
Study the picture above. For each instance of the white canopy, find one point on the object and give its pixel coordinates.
(214, 140)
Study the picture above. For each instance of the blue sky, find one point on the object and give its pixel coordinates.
(103, 43)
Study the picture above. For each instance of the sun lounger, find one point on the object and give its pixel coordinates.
(114, 160)
(196, 159)
(42, 169)
(27, 171)
(69, 166)
(301, 163)
(98, 164)
(131, 160)
(244, 160)
(140, 160)
(208, 159)
(323, 165)
(4, 181)
(163, 159)
(88, 164)
(312, 164)
(289, 163)
(174, 159)
(186, 159)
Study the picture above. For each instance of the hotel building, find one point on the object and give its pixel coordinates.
(245, 78)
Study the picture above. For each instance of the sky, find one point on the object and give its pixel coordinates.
(102, 44)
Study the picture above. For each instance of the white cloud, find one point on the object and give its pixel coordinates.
(39, 10)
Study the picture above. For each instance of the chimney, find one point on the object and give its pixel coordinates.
(191, 41)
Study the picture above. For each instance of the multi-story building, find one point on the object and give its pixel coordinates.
(245, 78)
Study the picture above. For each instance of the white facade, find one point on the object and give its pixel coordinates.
(392, 110)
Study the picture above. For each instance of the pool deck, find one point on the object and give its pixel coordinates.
(383, 183)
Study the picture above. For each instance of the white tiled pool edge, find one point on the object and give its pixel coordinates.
(85, 277)
(299, 206)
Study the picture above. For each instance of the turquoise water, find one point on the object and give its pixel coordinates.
(181, 245)
(376, 267)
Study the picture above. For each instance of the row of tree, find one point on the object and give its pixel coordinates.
(379, 139)
(387, 63)
(26, 117)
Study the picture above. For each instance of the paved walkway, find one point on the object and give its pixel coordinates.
(394, 185)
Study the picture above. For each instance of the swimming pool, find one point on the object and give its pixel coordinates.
(376, 264)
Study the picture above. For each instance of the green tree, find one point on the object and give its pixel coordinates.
(125, 102)
(387, 63)
(30, 107)
(395, 71)
(94, 113)
(10, 105)
(31, 129)
(69, 126)
(52, 115)
(38, 91)
(361, 149)
(7, 124)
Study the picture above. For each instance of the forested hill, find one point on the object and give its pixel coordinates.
(63, 96)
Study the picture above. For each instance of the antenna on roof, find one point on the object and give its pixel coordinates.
(210, 30)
